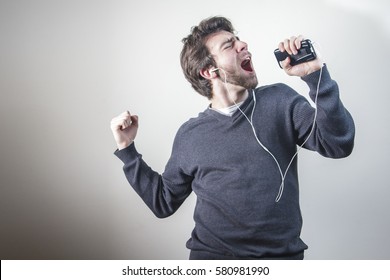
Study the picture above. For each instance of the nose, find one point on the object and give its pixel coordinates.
(241, 46)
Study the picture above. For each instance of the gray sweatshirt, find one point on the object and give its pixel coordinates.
(235, 180)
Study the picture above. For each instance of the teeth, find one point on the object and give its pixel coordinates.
(247, 60)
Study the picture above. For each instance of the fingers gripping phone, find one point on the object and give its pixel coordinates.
(305, 53)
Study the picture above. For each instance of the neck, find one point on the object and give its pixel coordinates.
(222, 98)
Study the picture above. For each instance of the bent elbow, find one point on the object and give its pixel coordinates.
(162, 214)
(163, 210)
(348, 151)
(347, 144)
(342, 149)
(344, 152)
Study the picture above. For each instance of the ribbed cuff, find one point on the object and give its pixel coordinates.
(312, 78)
(127, 154)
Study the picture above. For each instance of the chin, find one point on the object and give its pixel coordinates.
(251, 82)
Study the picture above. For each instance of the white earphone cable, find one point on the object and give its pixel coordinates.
(282, 175)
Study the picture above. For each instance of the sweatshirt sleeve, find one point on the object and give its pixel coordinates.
(163, 195)
(334, 131)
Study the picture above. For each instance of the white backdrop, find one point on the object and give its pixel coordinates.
(68, 67)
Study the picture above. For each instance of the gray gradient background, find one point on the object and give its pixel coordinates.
(68, 67)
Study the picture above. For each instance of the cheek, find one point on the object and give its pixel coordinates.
(228, 64)
(224, 60)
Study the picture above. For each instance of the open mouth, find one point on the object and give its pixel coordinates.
(247, 65)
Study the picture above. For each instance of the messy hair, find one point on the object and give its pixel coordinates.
(195, 56)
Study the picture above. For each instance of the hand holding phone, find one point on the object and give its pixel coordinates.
(305, 53)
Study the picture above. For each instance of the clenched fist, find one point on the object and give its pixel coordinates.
(124, 127)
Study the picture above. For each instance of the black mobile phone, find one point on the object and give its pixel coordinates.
(305, 53)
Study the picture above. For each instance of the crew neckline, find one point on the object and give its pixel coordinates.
(228, 111)
(243, 105)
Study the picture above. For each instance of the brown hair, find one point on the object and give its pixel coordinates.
(195, 56)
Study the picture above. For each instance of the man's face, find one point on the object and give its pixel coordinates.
(233, 57)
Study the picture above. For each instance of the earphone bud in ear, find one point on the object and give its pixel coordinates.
(213, 70)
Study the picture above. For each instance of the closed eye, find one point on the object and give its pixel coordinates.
(229, 43)
(228, 46)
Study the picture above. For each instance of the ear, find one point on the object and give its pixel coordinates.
(207, 73)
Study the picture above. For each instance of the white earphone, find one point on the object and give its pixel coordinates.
(283, 175)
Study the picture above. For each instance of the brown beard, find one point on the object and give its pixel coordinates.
(234, 79)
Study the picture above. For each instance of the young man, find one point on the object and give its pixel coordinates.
(233, 156)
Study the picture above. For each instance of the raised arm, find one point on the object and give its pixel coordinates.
(163, 194)
(334, 131)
